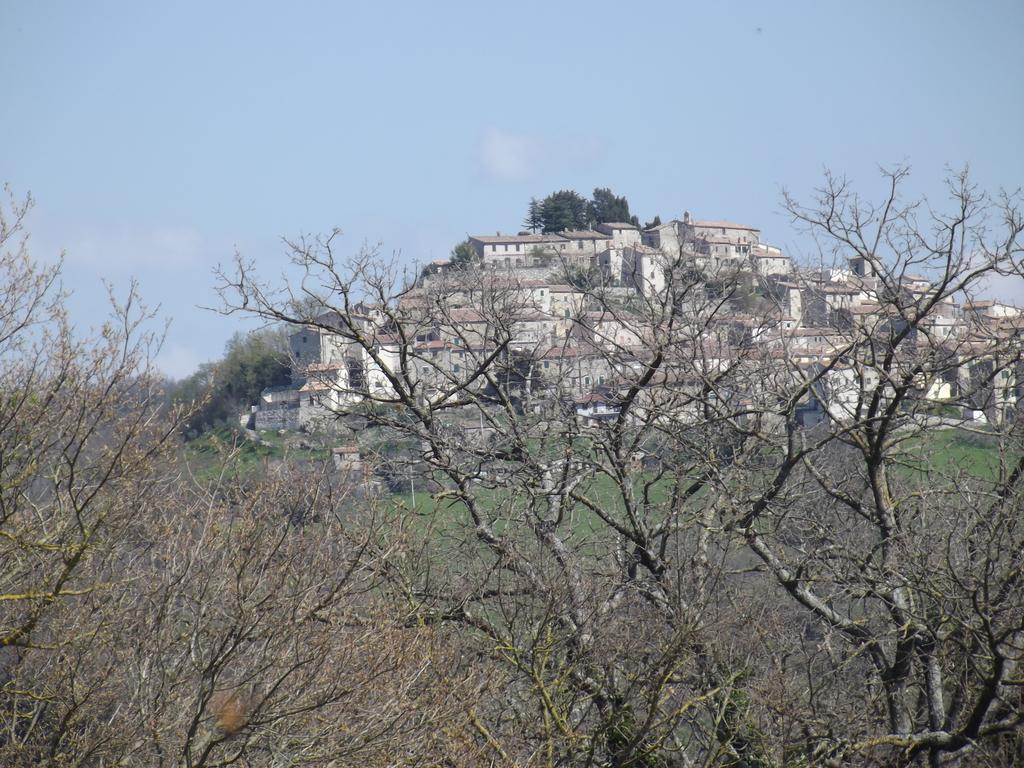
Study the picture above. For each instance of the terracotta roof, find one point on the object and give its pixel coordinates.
(659, 226)
(721, 225)
(322, 367)
(434, 344)
(812, 349)
(827, 286)
(584, 234)
(550, 238)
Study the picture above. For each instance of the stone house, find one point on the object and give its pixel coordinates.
(573, 371)
(511, 251)
(622, 234)
(508, 252)
(769, 260)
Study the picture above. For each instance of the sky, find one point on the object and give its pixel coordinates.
(160, 138)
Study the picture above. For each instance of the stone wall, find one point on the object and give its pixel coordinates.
(277, 416)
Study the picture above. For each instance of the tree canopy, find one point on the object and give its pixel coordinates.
(605, 206)
(462, 254)
(567, 209)
(251, 363)
(534, 220)
(564, 209)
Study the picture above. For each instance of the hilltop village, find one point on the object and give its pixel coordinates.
(567, 319)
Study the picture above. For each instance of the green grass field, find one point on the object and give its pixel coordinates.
(952, 453)
(948, 453)
(228, 449)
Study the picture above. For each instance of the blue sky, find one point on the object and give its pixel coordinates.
(158, 138)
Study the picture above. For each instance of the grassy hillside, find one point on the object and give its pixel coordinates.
(229, 449)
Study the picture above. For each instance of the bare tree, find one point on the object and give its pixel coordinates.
(709, 517)
(78, 435)
(148, 619)
(755, 553)
(230, 634)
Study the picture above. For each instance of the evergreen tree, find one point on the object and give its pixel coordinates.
(564, 209)
(252, 362)
(655, 223)
(534, 219)
(462, 254)
(605, 206)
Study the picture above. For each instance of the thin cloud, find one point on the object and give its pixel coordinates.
(127, 249)
(507, 156)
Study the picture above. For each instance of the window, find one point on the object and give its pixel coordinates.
(517, 247)
(506, 249)
(355, 374)
(581, 245)
(455, 369)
